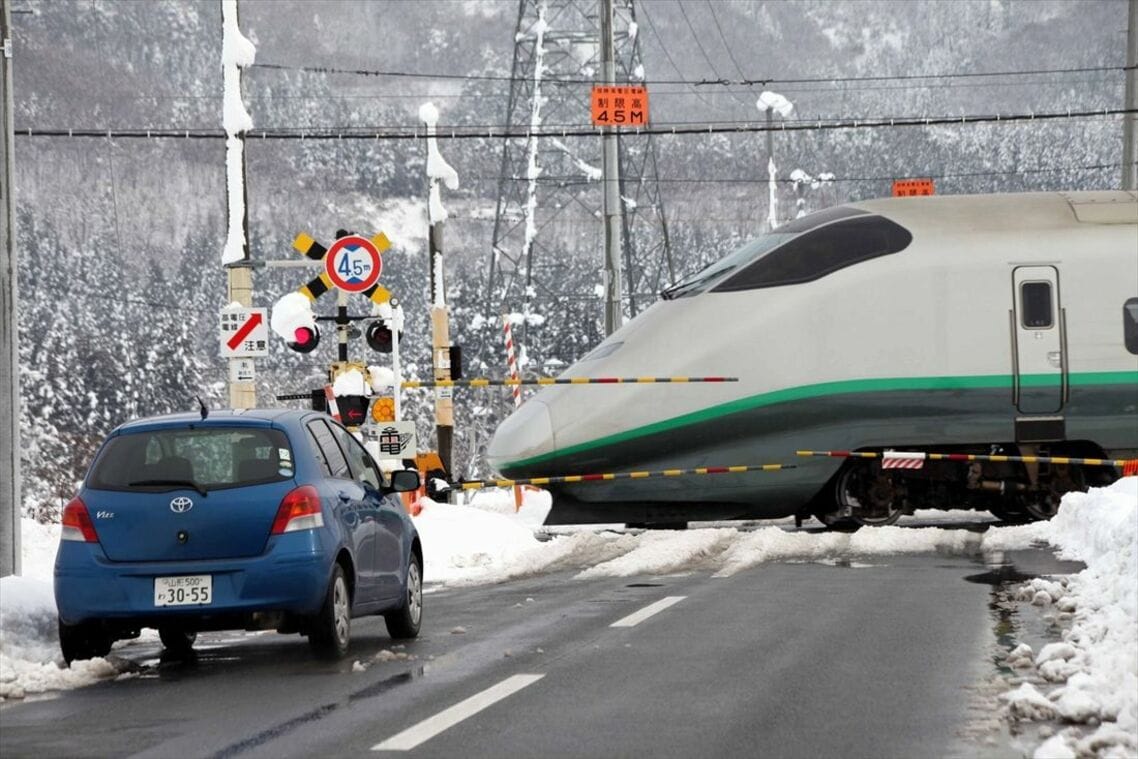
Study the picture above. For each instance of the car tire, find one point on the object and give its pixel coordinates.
(176, 640)
(83, 641)
(331, 628)
(405, 621)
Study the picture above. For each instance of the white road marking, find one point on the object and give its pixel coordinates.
(638, 617)
(432, 726)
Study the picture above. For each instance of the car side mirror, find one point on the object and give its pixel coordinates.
(405, 480)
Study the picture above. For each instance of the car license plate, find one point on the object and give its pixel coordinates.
(188, 590)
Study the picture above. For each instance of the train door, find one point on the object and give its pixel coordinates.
(1040, 346)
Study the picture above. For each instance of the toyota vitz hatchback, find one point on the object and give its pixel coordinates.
(256, 519)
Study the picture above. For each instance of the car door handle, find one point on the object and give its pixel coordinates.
(345, 496)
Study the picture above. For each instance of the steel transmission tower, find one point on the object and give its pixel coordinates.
(547, 227)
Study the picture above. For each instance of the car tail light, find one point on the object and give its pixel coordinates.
(299, 510)
(77, 523)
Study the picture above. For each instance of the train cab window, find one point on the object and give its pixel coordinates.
(821, 251)
(757, 248)
(1130, 324)
(1035, 303)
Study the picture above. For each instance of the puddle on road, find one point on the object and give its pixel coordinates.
(1014, 621)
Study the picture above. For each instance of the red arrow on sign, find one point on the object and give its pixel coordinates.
(243, 331)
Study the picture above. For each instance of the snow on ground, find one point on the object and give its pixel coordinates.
(1090, 678)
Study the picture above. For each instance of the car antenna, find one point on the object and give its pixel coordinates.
(202, 407)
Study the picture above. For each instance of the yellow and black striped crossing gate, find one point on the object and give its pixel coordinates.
(489, 382)
(610, 476)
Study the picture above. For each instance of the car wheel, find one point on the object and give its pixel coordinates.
(83, 641)
(176, 640)
(406, 620)
(332, 627)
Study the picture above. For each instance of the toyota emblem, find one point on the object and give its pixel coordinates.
(181, 505)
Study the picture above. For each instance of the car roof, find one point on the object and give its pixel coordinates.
(257, 417)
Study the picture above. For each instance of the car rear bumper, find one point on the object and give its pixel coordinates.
(290, 577)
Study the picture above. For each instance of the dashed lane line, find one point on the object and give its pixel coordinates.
(432, 726)
(637, 617)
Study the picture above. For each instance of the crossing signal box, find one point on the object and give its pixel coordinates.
(306, 340)
(353, 409)
(379, 337)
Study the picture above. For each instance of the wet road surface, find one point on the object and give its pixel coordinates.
(783, 660)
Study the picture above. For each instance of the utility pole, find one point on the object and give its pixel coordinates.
(1130, 120)
(237, 53)
(9, 354)
(610, 168)
(439, 172)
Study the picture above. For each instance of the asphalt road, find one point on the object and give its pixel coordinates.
(782, 660)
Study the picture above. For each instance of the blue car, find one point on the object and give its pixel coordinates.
(256, 519)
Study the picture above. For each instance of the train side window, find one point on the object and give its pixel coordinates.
(1035, 304)
(1130, 324)
(821, 251)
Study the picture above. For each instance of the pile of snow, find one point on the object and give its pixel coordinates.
(1096, 664)
(291, 312)
(30, 661)
(350, 382)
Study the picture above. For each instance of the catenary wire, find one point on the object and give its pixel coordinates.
(500, 132)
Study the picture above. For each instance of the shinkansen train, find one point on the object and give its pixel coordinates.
(985, 324)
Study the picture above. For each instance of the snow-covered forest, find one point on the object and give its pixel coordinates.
(120, 239)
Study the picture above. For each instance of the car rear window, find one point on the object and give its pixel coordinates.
(205, 458)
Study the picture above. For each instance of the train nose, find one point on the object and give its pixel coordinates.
(526, 434)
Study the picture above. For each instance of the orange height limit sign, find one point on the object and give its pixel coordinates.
(620, 106)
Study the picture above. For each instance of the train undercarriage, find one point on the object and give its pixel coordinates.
(866, 493)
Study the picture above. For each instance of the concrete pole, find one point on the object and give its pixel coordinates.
(610, 167)
(10, 492)
(240, 274)
(440, 346)
(1130, 120)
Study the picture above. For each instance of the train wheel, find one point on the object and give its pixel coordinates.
(1041, 506)
(869, 497)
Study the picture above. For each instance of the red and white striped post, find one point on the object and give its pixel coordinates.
(511, 358)
(333, 407)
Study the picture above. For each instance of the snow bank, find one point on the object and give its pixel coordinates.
(30, 661)
(1098, 657)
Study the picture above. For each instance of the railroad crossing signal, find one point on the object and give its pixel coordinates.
(353, 264)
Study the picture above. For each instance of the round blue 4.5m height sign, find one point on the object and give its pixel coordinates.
(353, 263)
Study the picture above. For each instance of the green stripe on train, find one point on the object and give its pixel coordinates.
(840, 387)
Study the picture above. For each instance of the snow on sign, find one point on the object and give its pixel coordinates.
(619, 106)
(353, 264)
(244, 332)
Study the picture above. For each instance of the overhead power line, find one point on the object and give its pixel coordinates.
(749, 81)
(490, 132)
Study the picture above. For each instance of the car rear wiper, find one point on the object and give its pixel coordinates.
(155, 483)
